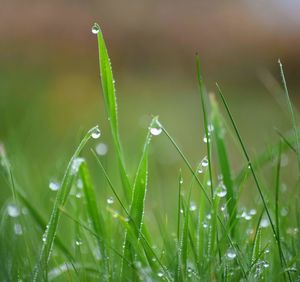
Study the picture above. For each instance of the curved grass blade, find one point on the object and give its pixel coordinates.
(110, 100)
(61, 197)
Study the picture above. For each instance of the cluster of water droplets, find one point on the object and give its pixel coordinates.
(207, 138)
(202, 165)
(14, 212)
(247, 215)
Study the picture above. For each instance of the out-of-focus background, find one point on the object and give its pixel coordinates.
(50, 88)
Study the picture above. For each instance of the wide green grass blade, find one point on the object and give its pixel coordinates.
(40, 271)
(96, 217)
(110, 100)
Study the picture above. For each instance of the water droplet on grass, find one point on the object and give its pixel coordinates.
(155, 131)
(101, 149)
(264, 223)
(221, 190)
(96, 133)
(284, 211)
(78, 242)
(193, 206)
(110, 200)
(160, 274)
(204, 162)
(95, 28)
(54, 186)
(13, 210)
(252, 212)
(231, 254)
(75, 165)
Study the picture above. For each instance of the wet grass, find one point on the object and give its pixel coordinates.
(212, 235)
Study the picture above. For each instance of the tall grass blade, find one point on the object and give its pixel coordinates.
(110, 100)
(293, 118)
(205, 122)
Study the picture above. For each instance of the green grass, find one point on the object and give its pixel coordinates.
(228, 223)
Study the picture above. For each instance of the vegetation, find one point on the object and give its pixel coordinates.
(214, 234)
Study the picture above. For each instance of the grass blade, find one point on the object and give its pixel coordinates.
(110, 100)
(50, 233)
(294, 124)
(224, 163)
(95, 216)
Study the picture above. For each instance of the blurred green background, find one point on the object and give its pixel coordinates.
(50, 87)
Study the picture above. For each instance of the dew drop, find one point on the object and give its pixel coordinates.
(221, 190)
(75, 165)
(264, 223)
(54, 185)
(13, 210)
(252, 212)
(78, 242)
(193, 206)
(96, 133)
(266, 264)
(204, 162)
(231, 254)
(110, 200)
(160, 274)
(101, 149)
(205, 225)
(79, 183)
(155, 131)
(95, 28)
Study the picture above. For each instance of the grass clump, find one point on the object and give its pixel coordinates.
(216, 238)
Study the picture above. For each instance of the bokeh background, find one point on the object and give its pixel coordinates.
(50, 89)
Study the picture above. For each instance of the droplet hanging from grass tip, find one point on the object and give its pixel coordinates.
(96, 133)
(156, 128)
(95, 28)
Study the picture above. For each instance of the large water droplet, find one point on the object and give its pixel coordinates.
(156, 129)
(221, 190)
(13, 210)
(101, 149)
(95, 28)
(96, 133)
(160, 274)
